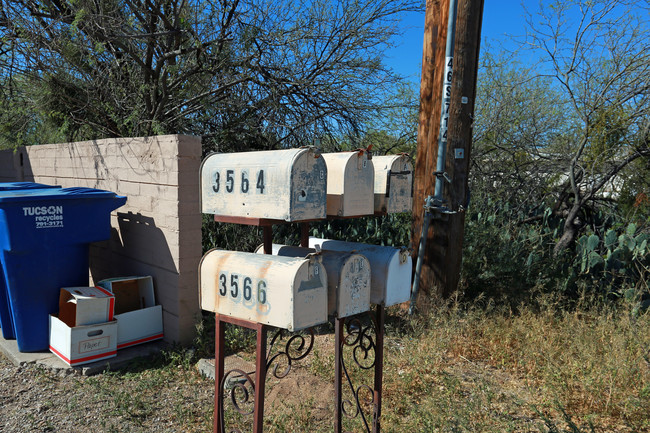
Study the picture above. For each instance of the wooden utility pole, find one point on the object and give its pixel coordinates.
(443, 255)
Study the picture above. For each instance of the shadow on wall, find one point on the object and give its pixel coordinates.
(15, 166)
(138, 248)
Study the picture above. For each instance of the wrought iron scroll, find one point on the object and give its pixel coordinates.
(297, 347)
(242, 392)
(361, 338)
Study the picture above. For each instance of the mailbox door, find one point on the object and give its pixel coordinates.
(348, 278)
(400, 192)
(353, 294)
(308, 187)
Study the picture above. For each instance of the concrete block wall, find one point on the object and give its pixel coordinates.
(157, 232)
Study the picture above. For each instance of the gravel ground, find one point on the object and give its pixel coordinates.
(159, 396)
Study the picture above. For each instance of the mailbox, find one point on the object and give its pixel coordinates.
(393, 183)
(285, 184)
(390, 280)
(285, 292)
(348, 278)
(350, 183)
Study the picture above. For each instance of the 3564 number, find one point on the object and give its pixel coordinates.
(229, 178)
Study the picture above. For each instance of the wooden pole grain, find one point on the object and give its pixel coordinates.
(443, 255)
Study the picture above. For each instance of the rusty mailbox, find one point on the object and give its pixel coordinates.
(390, 269)
(393, 183)
(350, 183)
(285, 184)
(348, 278)
(285, 292)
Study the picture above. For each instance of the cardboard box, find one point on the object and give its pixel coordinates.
(83, 344)
(139, 319)
(85, 306)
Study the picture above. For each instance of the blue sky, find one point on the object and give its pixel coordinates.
(500, 18)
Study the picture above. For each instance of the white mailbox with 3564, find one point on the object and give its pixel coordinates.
(288, 184)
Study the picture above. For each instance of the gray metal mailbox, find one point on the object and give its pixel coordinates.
(393, 183)
(350, 183)
(285, 184)
(285, 292)
(390, 269)
(348, 278)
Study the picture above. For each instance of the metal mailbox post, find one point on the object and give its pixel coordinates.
(393, 183)
(285, 292)
(288, 185)
(348, 278)
(350, 183)
(254, 291)
(391, 269)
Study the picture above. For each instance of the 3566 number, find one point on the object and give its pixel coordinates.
(229, 179)
(242, 286)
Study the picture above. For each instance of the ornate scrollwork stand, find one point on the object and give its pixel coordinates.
(277, 360)
(356, 335)
(351, 333)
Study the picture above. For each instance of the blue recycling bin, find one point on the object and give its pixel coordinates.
(44, 246)
(6, 319)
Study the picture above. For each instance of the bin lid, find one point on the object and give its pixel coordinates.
(30, 195)
(9, 186)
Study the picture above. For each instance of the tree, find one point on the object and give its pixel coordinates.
(597, 52)
(240, 73)
(517, 121)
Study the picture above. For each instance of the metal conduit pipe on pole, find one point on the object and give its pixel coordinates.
(435, 204)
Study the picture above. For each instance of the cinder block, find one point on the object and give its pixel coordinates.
(189, 239)
(187, 164)
(161, 192)
(190, 222)
(166, 207)
(139, 204)
(141, 244)
(189, 208)
(179, 330)
(168, 146)
(170, 222)
(128, 188)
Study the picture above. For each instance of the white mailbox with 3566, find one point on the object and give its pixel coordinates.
(285, 292)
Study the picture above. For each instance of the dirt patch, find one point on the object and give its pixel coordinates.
(301, 388)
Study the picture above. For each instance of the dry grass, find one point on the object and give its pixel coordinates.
(461, 369)
(471, 370)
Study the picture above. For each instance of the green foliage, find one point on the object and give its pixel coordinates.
(243, 75)
(392, 230)
(504, 259)
(615, 263)
(510, 260)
